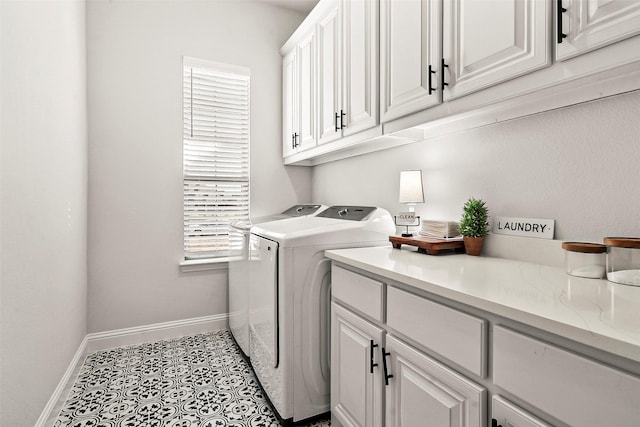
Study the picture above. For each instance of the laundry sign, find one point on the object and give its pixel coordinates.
(524, 227)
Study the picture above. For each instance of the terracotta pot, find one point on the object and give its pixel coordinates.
(473, 245)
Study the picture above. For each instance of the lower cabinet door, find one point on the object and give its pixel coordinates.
(356, 381)
(507, 414)
(423, 392)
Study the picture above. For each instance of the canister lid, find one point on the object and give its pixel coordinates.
(623, 242)
(591, 248)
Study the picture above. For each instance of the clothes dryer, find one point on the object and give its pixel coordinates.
(289, 308)
(238, 291)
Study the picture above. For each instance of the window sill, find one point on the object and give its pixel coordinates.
(188, 266)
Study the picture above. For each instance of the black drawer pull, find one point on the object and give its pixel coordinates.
(431, 89)
(561, 10)
(384, 366)
(372, 346)
(442, 76)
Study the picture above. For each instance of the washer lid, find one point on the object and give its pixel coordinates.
(351, 213)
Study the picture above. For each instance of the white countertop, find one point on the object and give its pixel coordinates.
(594, 312)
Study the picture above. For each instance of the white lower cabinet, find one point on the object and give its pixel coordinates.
(402, 358)
(378, 380)
(506, 414)
(572, 388)
(423, 392)
(356, 380)
(453, 335)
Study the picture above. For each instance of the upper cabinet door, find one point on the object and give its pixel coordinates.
(410, 56)
(360, 66)
(289, 103)
(329, 74)
(307, 92)
(486, 45)
(588, 25)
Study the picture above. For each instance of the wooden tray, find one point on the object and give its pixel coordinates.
(428, 245)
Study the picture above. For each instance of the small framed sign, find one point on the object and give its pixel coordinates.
(406, 219)
(524, 227)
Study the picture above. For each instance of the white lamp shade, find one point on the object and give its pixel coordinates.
(411, 190)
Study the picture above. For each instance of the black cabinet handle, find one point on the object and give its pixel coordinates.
(372, 346)
(342, 114)
(431, 89)
(295, 140)
(384, 366)
(442, 77)
(336, 123)
(561, 10)
(494, 423)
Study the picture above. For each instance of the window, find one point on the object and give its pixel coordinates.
(215, 155)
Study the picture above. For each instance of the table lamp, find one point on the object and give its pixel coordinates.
(411, 192)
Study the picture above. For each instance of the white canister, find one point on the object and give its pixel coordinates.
(585, 259)
(623, 260)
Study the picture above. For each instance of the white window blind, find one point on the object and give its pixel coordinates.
(215, 155)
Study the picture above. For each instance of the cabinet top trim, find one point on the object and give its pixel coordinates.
(307, 25)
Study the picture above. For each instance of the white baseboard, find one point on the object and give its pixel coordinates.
(61, 392)
(159, 331)
(123, 337)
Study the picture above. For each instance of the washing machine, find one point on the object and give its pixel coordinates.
(289, 308)
(238, 291)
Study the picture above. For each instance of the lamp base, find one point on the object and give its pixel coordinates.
(407, 235)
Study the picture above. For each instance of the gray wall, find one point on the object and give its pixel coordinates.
(43, 201)
(135, 51)
(577, 165)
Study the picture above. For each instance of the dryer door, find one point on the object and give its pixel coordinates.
(263, 301)
(238, 292)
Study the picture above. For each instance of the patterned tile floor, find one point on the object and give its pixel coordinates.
(195, 381)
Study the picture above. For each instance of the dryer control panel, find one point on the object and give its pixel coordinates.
(351, 213)
(301, 210)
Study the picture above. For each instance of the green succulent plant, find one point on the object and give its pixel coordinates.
(474, 221)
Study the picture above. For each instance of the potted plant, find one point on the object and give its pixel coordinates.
(474, 225)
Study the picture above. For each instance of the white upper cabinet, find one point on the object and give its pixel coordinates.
(410, 56)
(347, 68)
(307, 92)
(336, 78)
(425, 58)
(410, 69)
(486, 45)
(586, 25)
(299, 128)
(289, 104)
(359, 66)
(329, 74)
